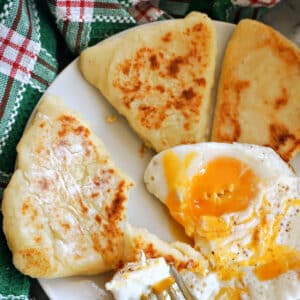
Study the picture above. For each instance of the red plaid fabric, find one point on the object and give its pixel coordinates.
(17, 54)
(264, 2)
(144, 12)
(255, 2)
(75, 10)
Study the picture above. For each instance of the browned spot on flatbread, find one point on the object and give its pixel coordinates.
(42, 125)
(278, 46)
(44, 184)
(167, 37)
(67, 119)
(229, 129)
(142, 150)
(25, 207)
(69, 125)
(241, 85)
(188, 31)
(84, 209)
(110, 171)
(282, 100)
(34, 214)
(151, 117)
(88, 147)
(200, 81)
(39, 148)
(96, 243)
(186, 126)
(197, 27)
(279, 134)
(98, 219)
(36, 260)
(282, 141)
(160, 88)
(39, 226)
(81, 130)
(38, 239)
(188, 94)
(62, 132)
(115, 209)
(154, 64)
(95, 195)
(65, 226)
(174, 66)
(104, 178)
(126, 67)
(109, 247)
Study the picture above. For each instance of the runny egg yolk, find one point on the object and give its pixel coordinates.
(223, 185)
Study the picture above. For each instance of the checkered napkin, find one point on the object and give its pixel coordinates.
(38, 38)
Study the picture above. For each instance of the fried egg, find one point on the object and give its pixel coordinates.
(240, 203)
(212, 179)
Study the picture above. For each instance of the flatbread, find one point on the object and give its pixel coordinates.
(65, 204)
(159, 77)
(65, 207)
(259, 90)
(181, 255)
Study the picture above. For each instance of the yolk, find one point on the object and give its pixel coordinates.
(224, 185)
(279, 260)
(163, 285)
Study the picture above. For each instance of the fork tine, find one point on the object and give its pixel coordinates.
(185, 291)
(160, 296)
(172, 294)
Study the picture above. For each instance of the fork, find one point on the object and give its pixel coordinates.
(182, 292)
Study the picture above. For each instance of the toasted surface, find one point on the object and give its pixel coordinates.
(259, 90)
(66, 202)
(182, 255)
(159, 77)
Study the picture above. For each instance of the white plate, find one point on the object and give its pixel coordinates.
(124, 146)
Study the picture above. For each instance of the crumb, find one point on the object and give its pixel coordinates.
(111, 119)
(142, 150)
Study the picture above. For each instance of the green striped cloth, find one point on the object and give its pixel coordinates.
(38, 38)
